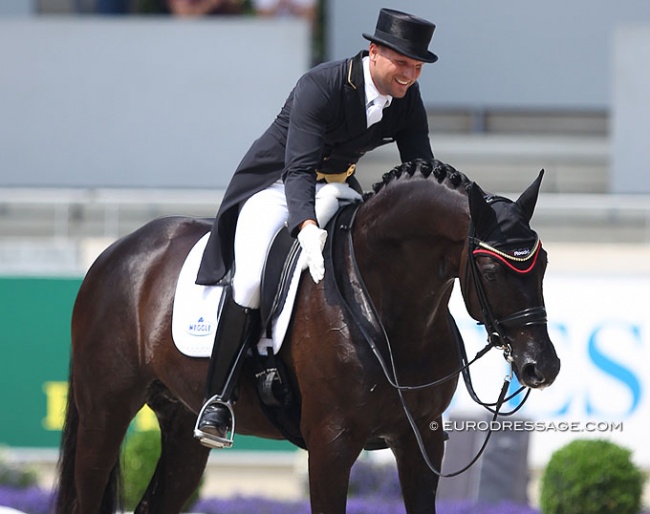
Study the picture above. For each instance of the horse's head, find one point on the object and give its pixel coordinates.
(502, 282)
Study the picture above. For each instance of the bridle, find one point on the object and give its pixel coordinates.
(496, 327)
(371, 327)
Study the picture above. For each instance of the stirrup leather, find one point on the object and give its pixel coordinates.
(209, 440)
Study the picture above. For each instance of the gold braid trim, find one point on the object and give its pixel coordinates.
(350, 75)
(510, 257)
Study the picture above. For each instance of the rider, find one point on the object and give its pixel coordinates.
(335, 114)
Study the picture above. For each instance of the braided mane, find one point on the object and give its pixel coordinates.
(439, 170)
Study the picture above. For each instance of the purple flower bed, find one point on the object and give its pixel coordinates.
(467, 507)
(32, 500)
(248, 505)
(374, 489)
(371, 479)
(355, 506)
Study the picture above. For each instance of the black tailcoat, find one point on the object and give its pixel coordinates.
(322, 126)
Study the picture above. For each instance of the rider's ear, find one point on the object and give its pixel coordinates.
(528, 198)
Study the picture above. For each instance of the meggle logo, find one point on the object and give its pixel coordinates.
(200, 328)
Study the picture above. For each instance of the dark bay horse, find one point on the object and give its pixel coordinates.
(424, 226)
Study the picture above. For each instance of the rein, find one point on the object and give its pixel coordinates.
(496, 339)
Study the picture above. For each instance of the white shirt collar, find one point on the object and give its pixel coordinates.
(371, 90)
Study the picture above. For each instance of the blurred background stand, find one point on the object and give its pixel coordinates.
(500, 474)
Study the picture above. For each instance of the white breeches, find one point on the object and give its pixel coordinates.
(260, 218)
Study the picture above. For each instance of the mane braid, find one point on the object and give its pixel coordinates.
(438, 169)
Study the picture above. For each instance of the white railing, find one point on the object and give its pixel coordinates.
(623, 211)
(110, 213)
(108, 209)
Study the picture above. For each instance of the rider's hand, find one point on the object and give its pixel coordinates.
(312, 240)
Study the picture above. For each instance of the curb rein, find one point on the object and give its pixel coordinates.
(496, 339)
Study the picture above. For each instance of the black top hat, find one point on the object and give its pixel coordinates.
(404, 33)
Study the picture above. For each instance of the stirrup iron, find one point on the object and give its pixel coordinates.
(213, 441)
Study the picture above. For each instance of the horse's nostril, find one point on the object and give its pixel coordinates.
(531, 375)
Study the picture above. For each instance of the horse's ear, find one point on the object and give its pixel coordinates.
(479, 210)
(528, 198)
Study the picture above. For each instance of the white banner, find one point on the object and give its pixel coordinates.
(600, 328)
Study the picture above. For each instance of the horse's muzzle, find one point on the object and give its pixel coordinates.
(539, 374)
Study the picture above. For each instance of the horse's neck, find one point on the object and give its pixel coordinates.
(417, 214)
(409, 248)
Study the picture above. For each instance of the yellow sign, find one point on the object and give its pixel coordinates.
(56, 394)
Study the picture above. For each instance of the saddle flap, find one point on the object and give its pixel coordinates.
(276, 277)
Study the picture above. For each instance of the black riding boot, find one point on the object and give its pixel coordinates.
(238, 326)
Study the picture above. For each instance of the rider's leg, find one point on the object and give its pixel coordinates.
(237, 326)
(259, 220)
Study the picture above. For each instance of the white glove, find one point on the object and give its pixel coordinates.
(312, 240)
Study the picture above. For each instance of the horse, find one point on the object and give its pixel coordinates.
(421, 228)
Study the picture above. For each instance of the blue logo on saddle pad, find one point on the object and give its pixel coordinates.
(200, 328)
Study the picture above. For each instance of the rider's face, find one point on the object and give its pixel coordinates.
(392, 72)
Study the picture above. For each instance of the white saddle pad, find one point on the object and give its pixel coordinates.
(196, 308)
(195, 314)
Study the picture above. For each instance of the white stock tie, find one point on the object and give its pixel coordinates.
(375, 109)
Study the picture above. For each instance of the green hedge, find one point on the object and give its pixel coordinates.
(591, 477)
(139, 459)
(14, 475)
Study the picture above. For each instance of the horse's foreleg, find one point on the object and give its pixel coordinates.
(332, 452)
(181, 463)
(418, 482)
(329, 477)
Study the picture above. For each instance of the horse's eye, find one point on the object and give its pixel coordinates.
(489, 273)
